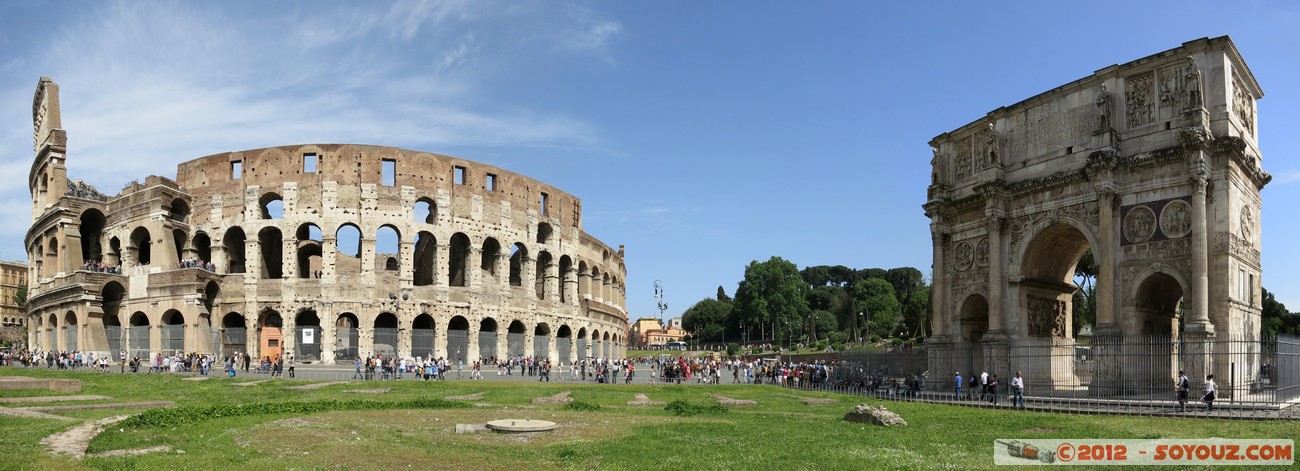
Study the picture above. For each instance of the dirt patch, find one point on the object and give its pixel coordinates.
(22, 400)
(313, 386)
(814, 401)
(196, 378)
(368, 391)
(73, 442)
(113, 405)
(468, 397)
(561, 398)
(135, 452)
(250, 383)
(643, 400)
(726, 401)
(31, 414)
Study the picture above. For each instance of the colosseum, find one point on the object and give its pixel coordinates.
(330, 252)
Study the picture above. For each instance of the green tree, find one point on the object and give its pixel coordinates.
(772, 294)
(1085, 300)
(707, 319)
(916, 313)
(876, 297)
(722, 295)
(905, 280)
(823, 323)
(1273, 315)
(20, 297)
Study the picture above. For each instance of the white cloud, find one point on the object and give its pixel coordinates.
(1286, 176)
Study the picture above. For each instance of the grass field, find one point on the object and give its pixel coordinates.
(781, 432)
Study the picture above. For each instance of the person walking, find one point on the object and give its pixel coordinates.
(1018, 389)
(1180, 391)
(1210, 388)
(956, 392)
(993, 388)
(290, 362)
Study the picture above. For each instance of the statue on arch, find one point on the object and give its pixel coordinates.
(1103, 109)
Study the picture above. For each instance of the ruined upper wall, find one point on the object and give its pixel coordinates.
(355, 165)
(1132, 108)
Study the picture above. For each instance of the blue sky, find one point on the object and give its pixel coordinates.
(701, 135)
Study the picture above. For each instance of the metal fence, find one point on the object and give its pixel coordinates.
(114, 334)
(386, 341)
(422, 342)
(233, 340)
(1134, 374)
(347, 343)
(173, 338)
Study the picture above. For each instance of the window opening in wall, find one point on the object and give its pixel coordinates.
(390, 172)
(458, 175)
(491, 183)
(425, 211)
(387, 247)
(309, 163)
(1250, 287)
(542, 209)
(236, 169)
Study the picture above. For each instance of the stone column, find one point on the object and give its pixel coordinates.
(1198, 332)
(1107, 259)
(219, 258)
(289, 258)
(570, 287)
(442, 278)
(996, 287)
(584, 284)
(252, 260)
(471, 345)
(367, 259)
(327, 333)
(406, 264)
(329, 257)
(529, 340)
(551, 284)
(473, 270)
(939, 318)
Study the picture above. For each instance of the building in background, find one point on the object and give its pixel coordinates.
(13, 277)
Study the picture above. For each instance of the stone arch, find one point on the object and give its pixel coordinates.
(211, 292)
(518, 254)
(564, 344)
(179, 210)
(544, 231)
(138, 340)
(271, 205)
(488, 261)
(309, 248)
(307, 335)
(270, 333)
(458, 338)
(233, 241)
(270, 242)
(426, 210)
(426, 258)
(202, 245)
(541, 340)
(180, 241)
(1156, 302)
(388, 247)
(584, 281)
(543, 266)
(515, 342)
(385, 334)
(347, 256)
(70, 331)
(92, 231)
(114, 251)
(424, 335)
(594, 345)
(172, 330)
(566, 277)
(458, 259)
(347, 337)
(487, 338)
(142, 244)
(234, 334)
(1054, 249)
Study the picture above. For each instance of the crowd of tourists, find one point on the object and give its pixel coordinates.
(101, 267)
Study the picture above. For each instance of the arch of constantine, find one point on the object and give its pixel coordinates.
(1154, 166)
(329, 251)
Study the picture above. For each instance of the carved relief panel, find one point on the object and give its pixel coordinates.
(1139, 98)
(1156, 221)
(1243, 105)
(1046, 317)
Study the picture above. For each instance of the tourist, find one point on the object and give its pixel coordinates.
(956, 392)
(1018, 391)
(1210, 387)
(356, 375)
(984, 384)
(993, 388)
(476, 374)
(1180, 391)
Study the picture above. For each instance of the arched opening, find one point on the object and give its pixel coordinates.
(270, 334)
(234, 241)
(566, 277)
(92, 230)
(426, 211)
(459, 258)
(1158, 306)
(542, 341)
(1155, 327)
(596, 344)
(309, 245)
(518, 253)
(271, 242)
(543, 233)
(272, 206)
(308, 336)
(211, 291)
(202, 249)
(388, 248)
(173, 332)
(113, 293)
(564, 344)
(346, 337)
(234, 334)
(974, 321)
(426, 257)
(487, 338)
(584, 282)
(605, 345)
(386, 335)
(52, 332)
(70, 332)
(422, 337)
(179, 239)
(583, 344)
(347, 259)
(138, 339)
(179, 210)
(488, 261)
(458, 338)
(1049, 268)
(543, 269)
(114, 252)
(142, 244)
(515, 339)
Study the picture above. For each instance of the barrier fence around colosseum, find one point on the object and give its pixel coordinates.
(1135, 375)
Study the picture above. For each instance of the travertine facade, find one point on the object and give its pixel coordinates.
(280, 250)
(1153, 164)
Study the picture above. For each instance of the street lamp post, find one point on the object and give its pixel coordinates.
(398, 301)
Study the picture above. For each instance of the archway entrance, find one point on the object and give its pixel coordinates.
(386, 335)
(234, 334)
(582, 345)
(139, 337)
(270, 337)
(422, 338)
(458, 338)
(974, 322)
(307, 343)
(542, 341)
(487, 339)
(70, 328)
(1154, 336)
(346, 337)
(515, 339)
(563, 344)
(173, 332)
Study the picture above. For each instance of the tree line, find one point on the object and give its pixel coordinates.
(776, 302)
